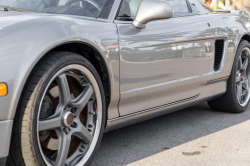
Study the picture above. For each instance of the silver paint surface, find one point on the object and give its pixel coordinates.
(167, 62)
(6, 129)
(26, 37)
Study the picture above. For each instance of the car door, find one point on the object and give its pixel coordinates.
(167, 62)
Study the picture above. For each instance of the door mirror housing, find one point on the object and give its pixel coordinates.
(150, 10)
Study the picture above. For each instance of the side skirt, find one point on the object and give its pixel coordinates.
(142, 115)
(212, 89)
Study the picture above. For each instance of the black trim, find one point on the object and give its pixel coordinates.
(189, 6)
(218, 54)
(118, 11)
(3, 161)
(139, 116)
(194, 8)
(154, 108)
(217, 80)
(127, 19)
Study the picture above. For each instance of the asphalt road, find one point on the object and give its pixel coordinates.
(163, 134)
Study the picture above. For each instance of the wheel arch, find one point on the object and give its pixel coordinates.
(245, 37)
(96, 59)
(84, 49)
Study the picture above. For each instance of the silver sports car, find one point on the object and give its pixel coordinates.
(71, 70)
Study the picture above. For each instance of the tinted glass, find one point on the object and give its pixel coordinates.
(90, 8)
(180, 6)
(106, 9)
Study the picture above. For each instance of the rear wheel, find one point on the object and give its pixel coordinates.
(236, 99)
(61, 117)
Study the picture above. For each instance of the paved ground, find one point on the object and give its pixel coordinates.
(193, 136)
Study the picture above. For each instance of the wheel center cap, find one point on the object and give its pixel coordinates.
(68, 118)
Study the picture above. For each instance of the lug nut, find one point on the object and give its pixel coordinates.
(73, 110)
(65, 130)
(74, 125)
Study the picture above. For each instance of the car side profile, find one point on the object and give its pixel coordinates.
(74, 69)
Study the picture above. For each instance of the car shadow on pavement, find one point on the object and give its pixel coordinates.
(132, 143)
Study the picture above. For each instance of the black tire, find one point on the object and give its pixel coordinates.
(24, 149)
(228, 102)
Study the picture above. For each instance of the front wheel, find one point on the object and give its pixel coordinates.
(236, 99)
(61, 117)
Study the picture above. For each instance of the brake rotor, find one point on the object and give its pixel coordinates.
(49, 139)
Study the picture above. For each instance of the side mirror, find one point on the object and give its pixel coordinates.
(150, 10)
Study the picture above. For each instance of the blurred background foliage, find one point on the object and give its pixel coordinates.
(229, 4)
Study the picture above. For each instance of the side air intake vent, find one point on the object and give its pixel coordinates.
(219, 47)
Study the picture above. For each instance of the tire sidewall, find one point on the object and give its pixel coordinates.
(243, 44)
(69, 59)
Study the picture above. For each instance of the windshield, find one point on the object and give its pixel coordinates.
(90, 8)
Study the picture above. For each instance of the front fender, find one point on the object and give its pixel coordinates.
(26, 38)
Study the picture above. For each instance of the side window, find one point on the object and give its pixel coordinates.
(134, 5)
(207, 8)
(180, 6)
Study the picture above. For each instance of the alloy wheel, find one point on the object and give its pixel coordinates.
(69, 118)
(242, 77)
